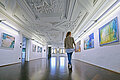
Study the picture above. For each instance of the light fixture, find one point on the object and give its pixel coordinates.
(36, 42)
(106, 13)
(8, 28)
(2, 20)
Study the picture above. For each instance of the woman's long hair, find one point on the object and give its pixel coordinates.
(68, 33)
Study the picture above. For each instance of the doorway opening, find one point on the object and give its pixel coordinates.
(24, 49)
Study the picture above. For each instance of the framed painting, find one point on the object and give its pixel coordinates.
(89, 42)
(33, 48)
(78, 46)
(8, 41)
(38, 49)
(109, 33)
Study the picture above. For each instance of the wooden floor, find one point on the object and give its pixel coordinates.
(55, 69)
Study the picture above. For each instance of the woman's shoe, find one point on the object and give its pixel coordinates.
(70, 66)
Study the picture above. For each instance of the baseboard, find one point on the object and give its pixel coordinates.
(10, 64)
(97, 66)
(37, 59)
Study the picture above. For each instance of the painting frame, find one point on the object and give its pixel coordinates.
(89, 42)
(33, 48)
(38, 49)
(117, 31)
(8, 41)
(78, 46)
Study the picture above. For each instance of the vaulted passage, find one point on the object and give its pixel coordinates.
(55, 69)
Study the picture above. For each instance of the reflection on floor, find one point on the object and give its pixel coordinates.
(55, 69)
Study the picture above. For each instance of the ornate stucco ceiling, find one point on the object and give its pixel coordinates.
(51, 19)
(47, 8)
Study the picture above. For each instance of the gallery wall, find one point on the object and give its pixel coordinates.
(10, 55)
(14, 55)
(107, 56)
(34, 54)
(44, 52)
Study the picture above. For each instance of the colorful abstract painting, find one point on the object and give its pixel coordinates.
(78, 46)
(109, 33)
(33, 48)
(89, 42)
(8, 41)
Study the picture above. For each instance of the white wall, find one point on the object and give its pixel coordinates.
(10, 56)
(107, 56)
(35, 55)
(44, 53)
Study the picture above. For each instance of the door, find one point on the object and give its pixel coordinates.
(24, 46)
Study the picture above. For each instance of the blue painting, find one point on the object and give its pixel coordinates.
(8, 41)
(89, 42)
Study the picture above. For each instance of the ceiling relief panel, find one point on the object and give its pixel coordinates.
(47, 8)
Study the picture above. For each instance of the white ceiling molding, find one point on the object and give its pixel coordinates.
(51, 19)
(18, 25)
(104, 6)
(88, 18)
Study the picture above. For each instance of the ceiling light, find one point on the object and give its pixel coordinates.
(2, 20)
(8, 28)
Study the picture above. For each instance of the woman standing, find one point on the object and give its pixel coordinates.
(68, 44)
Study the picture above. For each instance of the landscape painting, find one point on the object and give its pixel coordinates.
(109, 33)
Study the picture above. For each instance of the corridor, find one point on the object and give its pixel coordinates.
(37, 36)
(55, 69)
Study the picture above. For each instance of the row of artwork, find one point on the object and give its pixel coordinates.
(8, 41)
(39, 49)
(108, 34)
